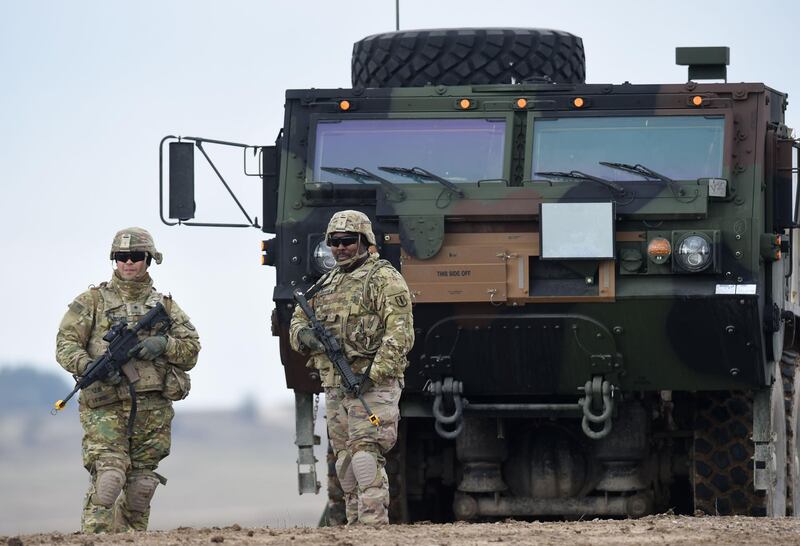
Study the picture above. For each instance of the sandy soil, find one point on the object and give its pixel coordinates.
(662, 530)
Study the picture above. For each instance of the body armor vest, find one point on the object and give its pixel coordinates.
(110, 308)
(342, 303)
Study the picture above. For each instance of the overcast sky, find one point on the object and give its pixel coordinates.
(90, 87)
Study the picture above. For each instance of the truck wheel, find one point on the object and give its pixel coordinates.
(464, 56)
(791, 393)
(722, 458)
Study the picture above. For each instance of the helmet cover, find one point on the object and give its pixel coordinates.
(134, 239)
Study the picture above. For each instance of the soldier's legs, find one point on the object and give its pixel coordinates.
(336, 416)
(367, 445)
(105, 456)
(152, 438)
(335, 508)
(373, 487)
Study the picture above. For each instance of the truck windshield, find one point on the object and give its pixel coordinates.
(680, 147)
(458, 150)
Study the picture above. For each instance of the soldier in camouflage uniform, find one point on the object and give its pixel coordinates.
(366, 304)
(123, 477)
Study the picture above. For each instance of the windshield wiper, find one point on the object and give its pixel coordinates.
(641, 170)
(578, 175)
(419, 174)
(360, 174)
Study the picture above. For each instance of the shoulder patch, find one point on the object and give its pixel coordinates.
(401, 300)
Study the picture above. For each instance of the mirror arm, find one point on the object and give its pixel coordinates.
(199, 145)
(198, 142)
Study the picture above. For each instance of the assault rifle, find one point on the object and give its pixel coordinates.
(116, 359)
(351, 383)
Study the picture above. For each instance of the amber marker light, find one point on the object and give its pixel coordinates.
(697, 100)
(578, 102)
(659, 250)
(464, 104)
(344, 105)
(522, 103)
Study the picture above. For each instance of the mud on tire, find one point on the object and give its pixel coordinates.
(467, 56)
(723, 456)
(791, 394)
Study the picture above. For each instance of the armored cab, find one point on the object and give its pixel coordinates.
(604, 287)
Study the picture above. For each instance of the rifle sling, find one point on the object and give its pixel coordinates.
(317, 286)
(369, 369)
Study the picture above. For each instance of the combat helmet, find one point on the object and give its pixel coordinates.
(351, 221)
(135, 239)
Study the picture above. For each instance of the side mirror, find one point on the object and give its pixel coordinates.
(270, 170)
(181, 180)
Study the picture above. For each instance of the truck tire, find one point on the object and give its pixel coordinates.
(463, 56)
(791, 393)
(722, 457)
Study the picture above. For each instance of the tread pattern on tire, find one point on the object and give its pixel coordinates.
(791, 382)
(722, 472)
(467, 56)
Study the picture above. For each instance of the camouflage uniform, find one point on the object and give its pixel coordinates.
(119, 464)
(369, 310)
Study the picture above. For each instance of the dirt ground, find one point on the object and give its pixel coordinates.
(662, 530)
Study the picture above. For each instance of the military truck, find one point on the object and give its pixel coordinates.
(605, 293)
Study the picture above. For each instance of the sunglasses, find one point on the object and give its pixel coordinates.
(347, 240)
(132, 256)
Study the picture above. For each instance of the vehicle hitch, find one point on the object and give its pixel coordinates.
(598, 396)
(451, 390)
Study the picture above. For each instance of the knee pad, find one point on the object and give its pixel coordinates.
(344, 471)
(365, 468)
(107, 486)
(140, 491)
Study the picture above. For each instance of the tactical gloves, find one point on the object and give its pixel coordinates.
(364, 382)
(113, 378)
(307, 338)
(149, 348)
(82, 365)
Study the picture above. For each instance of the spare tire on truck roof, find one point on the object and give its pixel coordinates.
(463, 56)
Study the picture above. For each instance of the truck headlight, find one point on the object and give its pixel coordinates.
(694, 253)
(323, 257)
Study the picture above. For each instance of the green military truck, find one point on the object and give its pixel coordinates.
(604, 285)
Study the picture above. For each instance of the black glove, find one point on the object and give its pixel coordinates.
(149, 348)
(364, 382)
(113, 378)
(309, 339)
